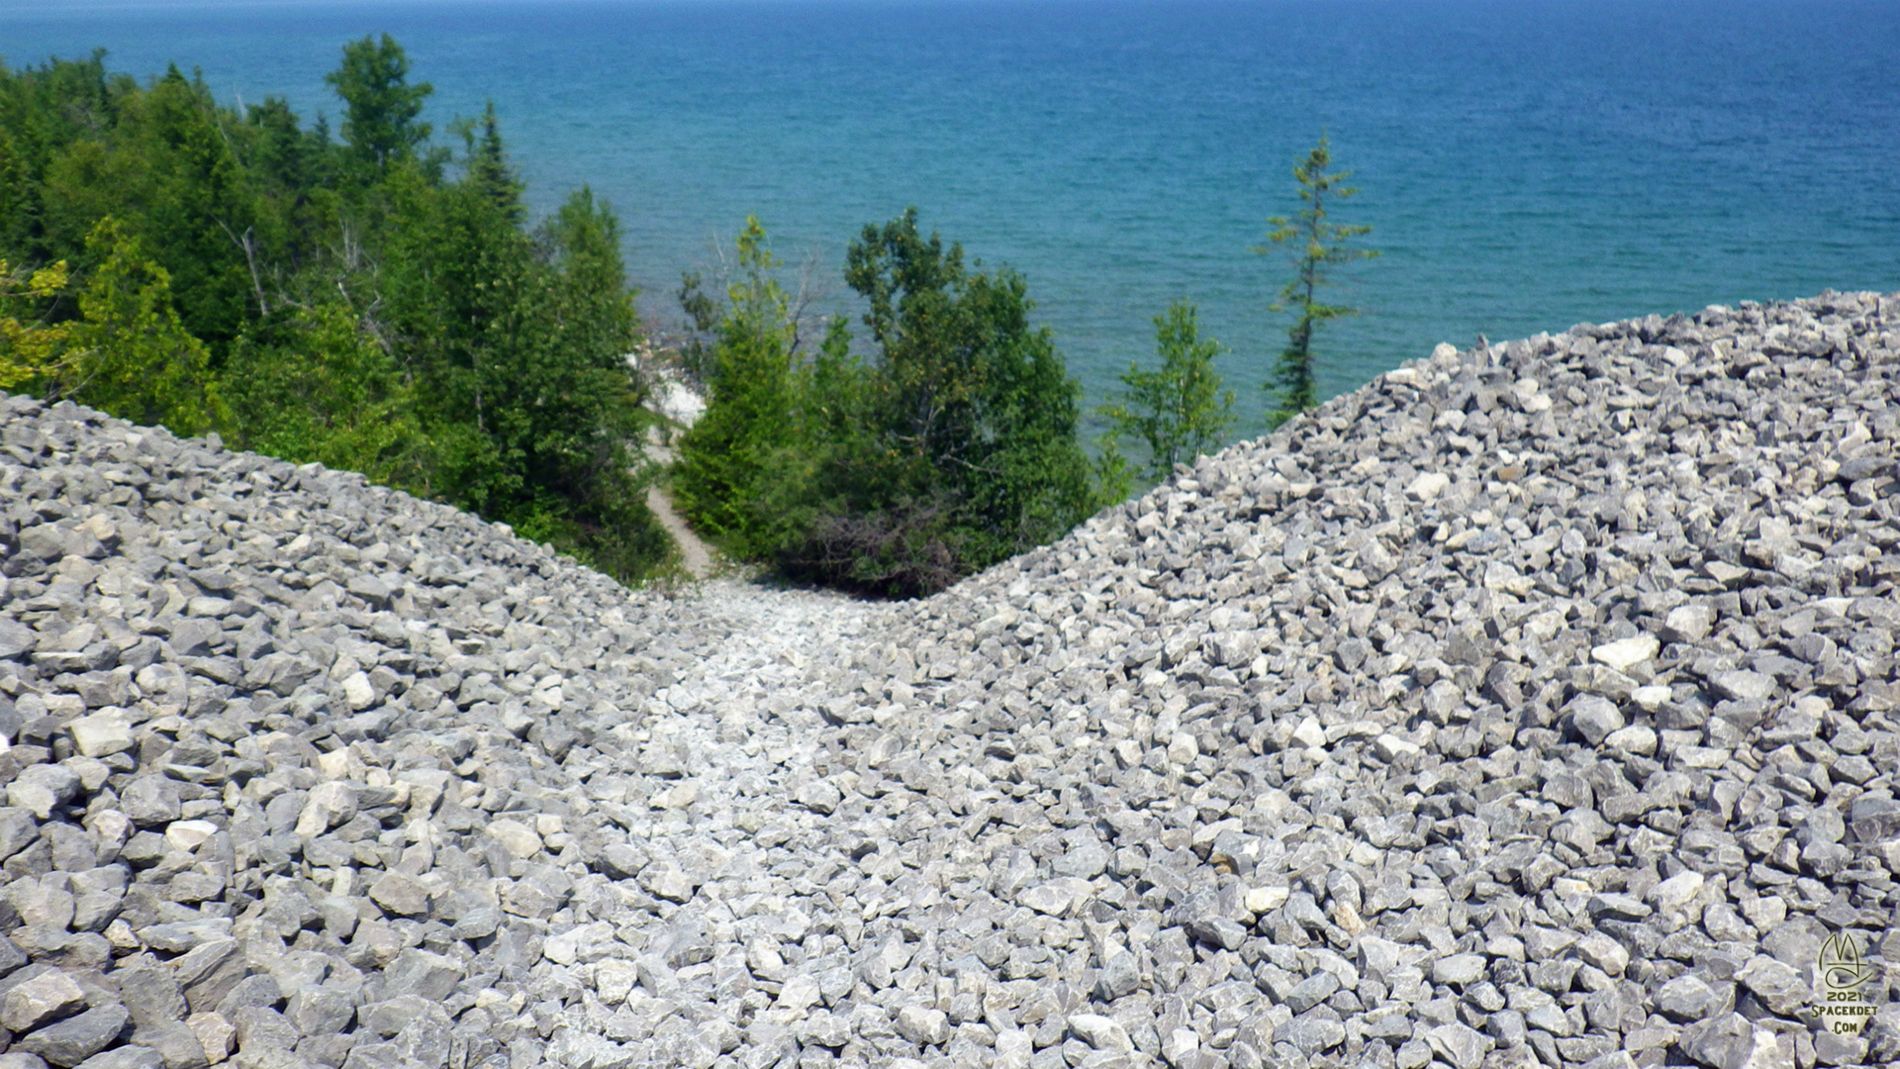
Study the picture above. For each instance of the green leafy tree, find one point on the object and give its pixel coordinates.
(32, 343)
(381, 118)
(320, 388)
(1178, 409)
(971, 390)
(133, 356)
(1316, 245)
(968, 451)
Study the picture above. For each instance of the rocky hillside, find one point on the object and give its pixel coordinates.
(1531, 706)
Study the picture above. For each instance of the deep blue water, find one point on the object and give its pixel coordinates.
(1525, 165)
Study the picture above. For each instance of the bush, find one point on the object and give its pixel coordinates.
(951, 448)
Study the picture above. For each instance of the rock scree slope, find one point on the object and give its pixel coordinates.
(1533, 705)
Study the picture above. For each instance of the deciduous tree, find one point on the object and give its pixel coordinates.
(381, 120)
(1178, 410)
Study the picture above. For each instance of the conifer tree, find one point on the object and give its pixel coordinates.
(489, 170)
(1316, 245)
(728, 458)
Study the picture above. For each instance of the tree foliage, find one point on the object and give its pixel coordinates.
(133, 356)
(952, 446)
(731, 456)
(381, 119)
(1316, 246)
(1178, 410)
(31, 343)
(375, 304)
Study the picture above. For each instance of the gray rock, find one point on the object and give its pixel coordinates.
(79, 1037)
(1721, 1043)
(1593, 718)
(125, 1058)
(400, 894)
(1459, 969)
(1745, 686)
(1311, 1035)
(35, 1001)
(1451, 723)
(1689, 998)
(1459, 1045)
(923, 1026)
(152, 996)
(421, 973)
(1100, 1033)
(1119, 977)
(41, 789)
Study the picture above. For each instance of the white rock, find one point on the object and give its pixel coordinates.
(1266, 899)
(1182, 749)
(1625, 654)
(799, 994)
(518, 839)
(1634, 739)
(1675, 893)
(1309, 733)
(1390, 747)
(1428, 485)
(1690, 623)
(1604, 952)
(328, 805)
(1052, 899)
(923, 1026)
(1101, 1032)
(1180, 1048)
(358, 691)
(1650, 698)
(189, 835)
(101, 734)
(614, 980)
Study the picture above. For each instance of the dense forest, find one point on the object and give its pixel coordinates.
(372, 300)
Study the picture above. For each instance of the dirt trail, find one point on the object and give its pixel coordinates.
(696, 557)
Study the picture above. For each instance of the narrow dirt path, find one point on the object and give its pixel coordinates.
(696, 557)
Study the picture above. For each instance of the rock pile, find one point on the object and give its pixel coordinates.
(1534, 705)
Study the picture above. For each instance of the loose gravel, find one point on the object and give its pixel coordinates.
(1533, 705)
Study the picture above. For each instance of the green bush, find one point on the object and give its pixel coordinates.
(1178, 410)
(951, 447)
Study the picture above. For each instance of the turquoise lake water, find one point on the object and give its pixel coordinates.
(1525, 165)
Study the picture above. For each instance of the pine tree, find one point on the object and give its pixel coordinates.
(729, 457)
(1316, 245)
(489, 170)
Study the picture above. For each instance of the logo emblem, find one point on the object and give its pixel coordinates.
(1844, 1005)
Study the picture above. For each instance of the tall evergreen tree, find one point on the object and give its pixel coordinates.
(489, 170)
(729, 457)
(1316, 245)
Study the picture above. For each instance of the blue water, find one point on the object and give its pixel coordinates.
(1525, 165)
